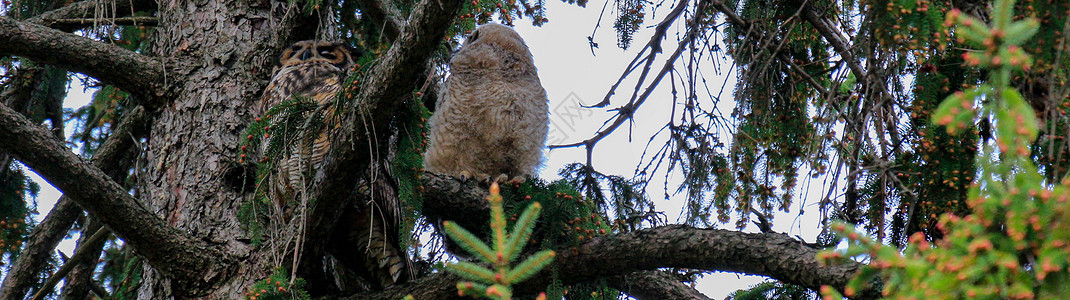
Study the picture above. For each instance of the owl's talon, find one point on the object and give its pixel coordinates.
(465, 175)
(517, 180)
(502, 178)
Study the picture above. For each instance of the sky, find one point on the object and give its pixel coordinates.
(573, 75)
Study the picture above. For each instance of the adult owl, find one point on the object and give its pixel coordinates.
(366, 235)
(491, 118)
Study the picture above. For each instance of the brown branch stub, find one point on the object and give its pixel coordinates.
(128, 70)
(193, 264)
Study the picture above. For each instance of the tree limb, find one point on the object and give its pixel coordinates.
(90, 9)
(128, 70)
(385, 14)
(54, 226)
(838, 43)
(773, 255)
(193, 264)
(653, 285)
(80, 255)
(765, 254)
(142, 21)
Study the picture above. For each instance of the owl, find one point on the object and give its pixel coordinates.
(315, 70)
(491, 119)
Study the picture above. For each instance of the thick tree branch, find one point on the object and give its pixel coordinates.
(766, 254)
(773, 255)
(193, 264)
(54, 227)
(130, 71)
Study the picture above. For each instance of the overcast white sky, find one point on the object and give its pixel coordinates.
(571, 75)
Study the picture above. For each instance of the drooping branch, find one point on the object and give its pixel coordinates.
(625, 112)
(128, 70)
(835, 39)
(193, 264)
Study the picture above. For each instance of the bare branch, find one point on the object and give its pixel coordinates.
(626, 112)
(130, 71)
(193, 264)
(142, 21)
(91, 9)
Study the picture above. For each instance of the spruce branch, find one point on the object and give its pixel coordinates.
(506, 246)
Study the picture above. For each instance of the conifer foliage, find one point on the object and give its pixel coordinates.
(494, 282)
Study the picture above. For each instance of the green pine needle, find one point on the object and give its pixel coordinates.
(469, 242)
(522, 231)
(471, 271)
(530, 266)
(467, 288)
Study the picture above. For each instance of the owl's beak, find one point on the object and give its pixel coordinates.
(306, 55)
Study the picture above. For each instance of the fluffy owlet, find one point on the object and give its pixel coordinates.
(315, 70)
(491, 117)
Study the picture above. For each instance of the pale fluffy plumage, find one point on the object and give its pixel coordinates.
(491, 117)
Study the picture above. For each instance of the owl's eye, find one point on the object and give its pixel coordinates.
(327, 53)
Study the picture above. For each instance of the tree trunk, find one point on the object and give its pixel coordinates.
(194, 146)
